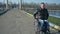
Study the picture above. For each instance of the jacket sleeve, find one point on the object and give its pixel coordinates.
(35, 13)
(47, 14)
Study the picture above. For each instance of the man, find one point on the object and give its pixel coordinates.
(41, 15)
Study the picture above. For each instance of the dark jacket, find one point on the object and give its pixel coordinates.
(43, 13)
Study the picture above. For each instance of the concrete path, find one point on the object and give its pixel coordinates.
(16, 22)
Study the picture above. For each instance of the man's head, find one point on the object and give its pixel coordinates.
(42, 5)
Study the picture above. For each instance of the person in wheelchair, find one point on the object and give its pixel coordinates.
(41, 16)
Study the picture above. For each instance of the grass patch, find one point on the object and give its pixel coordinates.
(54, 20)
(30, 11)
(51, 18)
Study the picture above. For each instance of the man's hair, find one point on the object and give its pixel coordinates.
(40, 4)
(43, 3)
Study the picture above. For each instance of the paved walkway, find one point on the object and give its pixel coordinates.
(17, 22)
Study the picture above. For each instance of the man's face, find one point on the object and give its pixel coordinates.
(42, 6)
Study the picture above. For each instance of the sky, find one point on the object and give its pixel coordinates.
(35, 1)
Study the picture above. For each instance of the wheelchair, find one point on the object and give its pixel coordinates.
(38, 27)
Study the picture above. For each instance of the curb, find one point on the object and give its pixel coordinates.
(54, 26)
(6, 10)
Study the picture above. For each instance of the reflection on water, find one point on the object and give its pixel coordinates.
(55, 13)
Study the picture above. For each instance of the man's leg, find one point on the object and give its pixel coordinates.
(47, 23)
(41, 23)
(48, 29)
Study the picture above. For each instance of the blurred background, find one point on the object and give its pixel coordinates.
(30, 6)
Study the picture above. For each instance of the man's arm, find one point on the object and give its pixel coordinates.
(35, 13)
